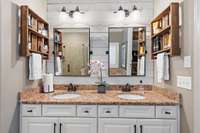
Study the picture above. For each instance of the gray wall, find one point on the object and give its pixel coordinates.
(99, 22)
(13, 67)
(177, 68)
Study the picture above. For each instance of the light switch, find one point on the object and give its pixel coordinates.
(187, 62)
(184, 82)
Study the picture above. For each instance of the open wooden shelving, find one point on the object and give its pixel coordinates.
(34, 33)
(58, 43)
(165, 32)
(141, 42)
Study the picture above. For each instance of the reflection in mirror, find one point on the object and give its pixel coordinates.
(127, 51)
(72, 48)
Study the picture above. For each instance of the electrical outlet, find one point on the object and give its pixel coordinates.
(184, 82)
(187, 62)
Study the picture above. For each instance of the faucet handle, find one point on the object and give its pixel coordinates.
(75, 87)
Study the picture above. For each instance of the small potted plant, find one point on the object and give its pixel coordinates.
(96, 68)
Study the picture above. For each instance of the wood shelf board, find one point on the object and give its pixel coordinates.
(35, 51)
(164, 12)
(141, 41)
(37, 34)
(40, 19)
(163, 31)
(161, 51)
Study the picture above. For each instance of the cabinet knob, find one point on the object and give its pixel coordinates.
(108, 111)
(30, 111)
(167, 113)
(86, 111)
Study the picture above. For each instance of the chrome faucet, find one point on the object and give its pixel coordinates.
(71, 87)
(126, 88)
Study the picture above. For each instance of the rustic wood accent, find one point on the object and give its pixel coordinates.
(58, 45)
(172, 29)
(33, 33)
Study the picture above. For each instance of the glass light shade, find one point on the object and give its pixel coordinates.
(135, 15)
(77, 16)
(121, 15)
(63, 16)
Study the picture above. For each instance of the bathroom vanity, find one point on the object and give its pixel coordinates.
(158, 112)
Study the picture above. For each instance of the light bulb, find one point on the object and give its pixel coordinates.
(77, 16)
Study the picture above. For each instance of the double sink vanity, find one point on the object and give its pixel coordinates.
(153, 110)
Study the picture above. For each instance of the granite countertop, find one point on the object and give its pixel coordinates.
(153, 96)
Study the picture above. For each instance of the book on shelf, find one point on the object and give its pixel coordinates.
(34, 42)
(165, 21)
(166, 41)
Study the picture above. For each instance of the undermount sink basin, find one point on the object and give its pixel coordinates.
(65, 96)
(131, 97)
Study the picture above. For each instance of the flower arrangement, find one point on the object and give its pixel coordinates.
(96, 68)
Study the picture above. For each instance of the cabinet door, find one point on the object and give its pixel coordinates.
(108, 125)
(157, 126)
(78, 125)
(39, 125)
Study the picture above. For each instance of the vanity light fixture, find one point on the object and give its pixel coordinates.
(122, 12)
(63, 10)
(75, 13)
(63, 14)
(135, 12)
(125, 12)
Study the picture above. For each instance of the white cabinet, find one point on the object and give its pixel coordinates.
(117, 125)
(99, 119)
(78, 125)
(39, 125)
(157, 126)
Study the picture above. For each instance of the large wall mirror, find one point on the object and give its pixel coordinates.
(127, 49)
(72, 47)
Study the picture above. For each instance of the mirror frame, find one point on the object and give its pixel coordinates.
(54, 48)
(109, 75)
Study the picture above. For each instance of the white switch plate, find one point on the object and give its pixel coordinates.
(187, 61)
(184, 82)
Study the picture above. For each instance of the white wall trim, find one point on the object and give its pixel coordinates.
(0, 65)
(196, 66)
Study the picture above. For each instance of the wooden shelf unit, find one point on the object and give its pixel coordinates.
(34, 33)
(58, 44)
(165, 32)
(141, 42)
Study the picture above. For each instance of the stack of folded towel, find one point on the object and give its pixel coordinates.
(163, 65)
(35, 67)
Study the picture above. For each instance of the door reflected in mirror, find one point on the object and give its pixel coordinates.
(127, 51)
(72, 48)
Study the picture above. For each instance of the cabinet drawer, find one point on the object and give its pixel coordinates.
(59, 110)
(87, 110)
(31, 110)
(108, 111)
(166, 112)
(137, 111)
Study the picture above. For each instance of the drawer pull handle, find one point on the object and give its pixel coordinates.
(60, 127)
(135, 129)
(141, 129)
(168, 113)
(54, 128)
(108, 111)
(86, 111)
(29, 111)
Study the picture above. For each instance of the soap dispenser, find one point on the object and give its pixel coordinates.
(141, 87)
